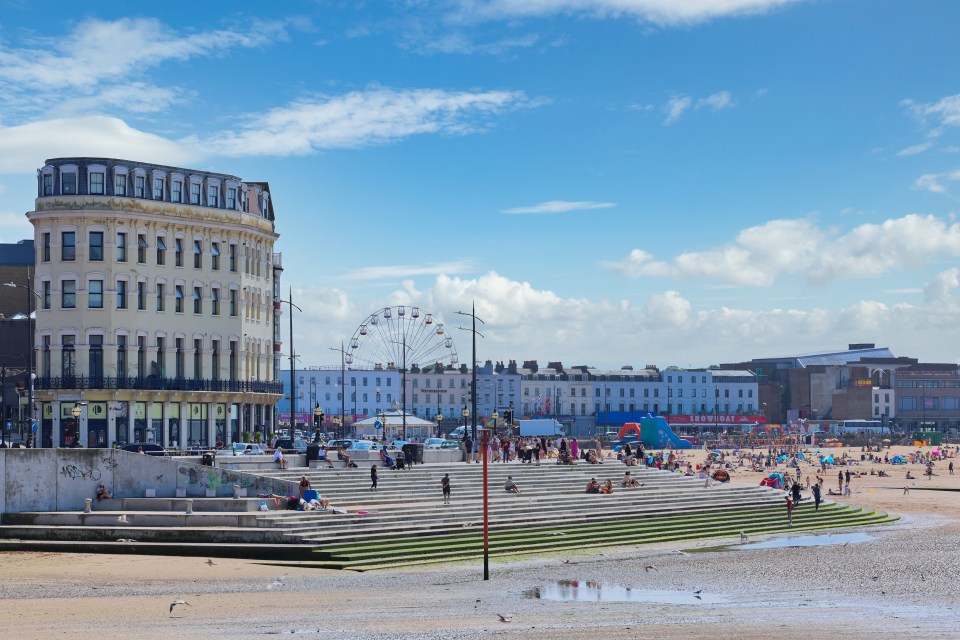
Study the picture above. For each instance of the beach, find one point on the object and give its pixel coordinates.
(885, 581)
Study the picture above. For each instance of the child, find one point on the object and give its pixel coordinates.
(373, 478)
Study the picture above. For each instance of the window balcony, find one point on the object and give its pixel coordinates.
(156, 383)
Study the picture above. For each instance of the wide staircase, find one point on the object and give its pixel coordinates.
(406, 522)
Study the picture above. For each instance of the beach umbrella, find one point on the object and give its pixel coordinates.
(781, 459)
(778, 476)
(801, 456)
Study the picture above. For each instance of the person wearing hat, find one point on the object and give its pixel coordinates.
(629, 481)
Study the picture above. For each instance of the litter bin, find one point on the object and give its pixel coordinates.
(416, 449)
(313, 453)
(207, 459)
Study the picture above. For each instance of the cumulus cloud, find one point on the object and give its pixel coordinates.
(14, 227)
(675, 108)
(659, 12)
(940, 290)
(759, 255)
(716, 101)
(523, 321)
(561, 206)
(677, 105)
(24, 148)
(939, 115)
(361, 118)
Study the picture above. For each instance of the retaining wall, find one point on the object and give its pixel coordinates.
(61, 479)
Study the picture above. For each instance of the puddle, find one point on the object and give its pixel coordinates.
(806, 541)
(592, 591)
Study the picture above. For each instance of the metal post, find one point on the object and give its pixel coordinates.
(473, 383)
(293, 374)
(30, 344)
(404, 392)
(486, 507)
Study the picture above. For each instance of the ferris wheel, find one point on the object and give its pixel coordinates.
(391, 333)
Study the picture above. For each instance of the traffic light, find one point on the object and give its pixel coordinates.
(508, 416)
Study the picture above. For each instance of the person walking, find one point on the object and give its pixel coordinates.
(816, 496)
(840, 481)
(790, 510)
(373, 478)
(468, 448)
(445, 485)
(950, 467)
(795, 491)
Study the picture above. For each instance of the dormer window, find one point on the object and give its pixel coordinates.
(194, 193)
(97, 184)
(68, 183)
(176, 194)
(231, 198)
(120, 185)
(158, 188)
(139, 187)
(48, 184)
(213, 196)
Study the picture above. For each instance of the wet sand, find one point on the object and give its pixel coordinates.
(899, 582)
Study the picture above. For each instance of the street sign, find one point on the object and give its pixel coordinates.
(378, 425)
(33, 427)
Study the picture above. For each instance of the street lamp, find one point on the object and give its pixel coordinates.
(31, 345)
(293, 370)
(317, 422)
(466, 414)
(343, 390)
(439, 419)
(495, 416)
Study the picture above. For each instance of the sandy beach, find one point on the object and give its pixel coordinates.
(888, 581)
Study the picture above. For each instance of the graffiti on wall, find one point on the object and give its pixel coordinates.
(212, 478)
(80, 472)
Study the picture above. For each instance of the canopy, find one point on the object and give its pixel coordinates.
(827, 459)
(898, 460)
(721, 475)
(781, 459)
(778, 476)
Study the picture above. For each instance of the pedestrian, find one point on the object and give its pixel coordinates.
(816, 497)
(304, 485)
(950, 467)
(445, 484)
(373, 478)
(468, 449)
(840, 481)
(278, 458)
(795, 490)
(790, 510)
(848, 476)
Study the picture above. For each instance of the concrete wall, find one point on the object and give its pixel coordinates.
(60, 479)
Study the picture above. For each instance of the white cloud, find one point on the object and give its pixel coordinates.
(360, 118)
(675, 107)
(97, 51)
(933, 182)
(660, 12)
(717, 101)
(759, 255)
(24, 148)
(940, 290)
(915, 149)
(14, 227)
(524, 322)
(943, 113)
(561, 206)
(398, 272)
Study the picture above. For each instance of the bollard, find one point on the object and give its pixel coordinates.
(189, 506)
(87, 503)
(236, 491)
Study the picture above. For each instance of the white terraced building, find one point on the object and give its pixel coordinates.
(156, 319)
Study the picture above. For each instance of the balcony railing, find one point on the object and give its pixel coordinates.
(156, 383)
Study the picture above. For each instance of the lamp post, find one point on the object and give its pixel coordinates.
(473, 366)
(31, 345)
(495, 416)
(293, 370)
(439, 419)
(75, 412)
(343, 394)
(465, 414)
(317, 422)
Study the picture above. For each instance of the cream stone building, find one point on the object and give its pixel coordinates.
(156, 316)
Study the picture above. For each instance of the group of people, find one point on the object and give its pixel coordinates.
(531, 450)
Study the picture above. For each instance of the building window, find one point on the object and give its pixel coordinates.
(195, 193)
(233, 360)
(231, 198)
(233, 258)
(121, 247)
(160, 296)
(197, 358)
(178, 298)
(178, 360)
(141, 296)
(139, 185)
(45, 363)
(215, 256)
(176, 191)
(198, 300)
(141, 248)
(121, 294)
(233, 302)
(215, 360)
(120, 185)
(161, 358)
(161, 250)
(68, 184)
(48, 184)
(46, 247)
(198, 254)
(68, 246)
(96, 184)
(96, 246)
(121, 356)
(68, 365)
(46, 294)
(95, 294)
(141, 356)
(178, 252)
(213, 196)
(68, 294)
(95, 358)
(215, 301)
(158, 188)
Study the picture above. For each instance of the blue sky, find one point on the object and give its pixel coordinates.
(610, 181)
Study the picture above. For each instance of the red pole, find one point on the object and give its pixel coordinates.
(486, 512)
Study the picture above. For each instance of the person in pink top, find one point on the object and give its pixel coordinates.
(574, 449)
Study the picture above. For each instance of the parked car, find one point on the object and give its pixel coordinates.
(248, 449)
(367, 445)
(433, 443)
(148, 448)
(450, 444)
(346, 444)
(298, 444)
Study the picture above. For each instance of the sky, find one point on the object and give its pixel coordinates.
(609, 182)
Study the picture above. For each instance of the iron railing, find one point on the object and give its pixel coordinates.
(156, 383)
